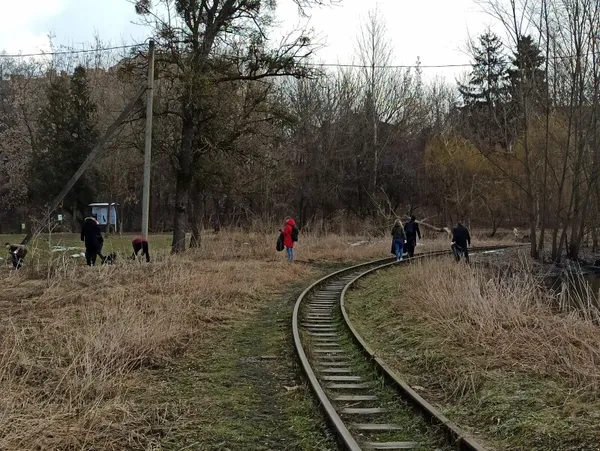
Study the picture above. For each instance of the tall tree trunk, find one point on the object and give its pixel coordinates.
(533, 231)
(555, 249)
(579, 199)
(543, 214)
(74, 217)
(180, 218)
(562, 242)
(533, 213)
(196, 239)
(183, 179)
(217, 214)
(195, 203)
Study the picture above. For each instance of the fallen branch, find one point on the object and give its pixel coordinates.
(393, 215)
(432, 227)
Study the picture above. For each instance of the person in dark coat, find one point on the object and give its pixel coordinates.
(141, 244)
(92, 236)
(398, 238)
(411, 228)
(17, 253)
(461, 240)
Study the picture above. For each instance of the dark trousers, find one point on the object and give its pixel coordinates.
(458, 250)
(16, 261)
(91, 254)
(411, 243)
(144, 248)
(93, 249)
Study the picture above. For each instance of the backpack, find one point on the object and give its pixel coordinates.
(295, 233)
(279, 246)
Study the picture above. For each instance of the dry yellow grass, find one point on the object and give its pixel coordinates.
(491, 347)
(70, 346)
(509, 319)
(73, 338)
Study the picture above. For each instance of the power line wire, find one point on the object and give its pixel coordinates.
(391, 66)
(426, 66)
(68, 52)
(347, 65)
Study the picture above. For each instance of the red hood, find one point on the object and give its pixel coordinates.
(290, 222)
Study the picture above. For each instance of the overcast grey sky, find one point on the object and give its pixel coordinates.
(434, 30)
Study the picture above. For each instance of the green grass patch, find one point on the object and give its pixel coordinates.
(500, 399)
(241, 390)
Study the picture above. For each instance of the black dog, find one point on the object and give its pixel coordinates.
(109, 259)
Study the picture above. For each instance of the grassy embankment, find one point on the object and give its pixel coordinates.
(491, 349)
(190, 351)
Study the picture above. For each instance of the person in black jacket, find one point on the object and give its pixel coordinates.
(92, 236)
(461, 240)
(411, 228)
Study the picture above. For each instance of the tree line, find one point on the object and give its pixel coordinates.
(247, 131)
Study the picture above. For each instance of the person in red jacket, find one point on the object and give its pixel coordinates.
(141, 244)
(290, 234)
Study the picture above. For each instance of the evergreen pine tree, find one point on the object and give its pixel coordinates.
(527, 76)
(486, 96)
(67, 134)
(489, 77)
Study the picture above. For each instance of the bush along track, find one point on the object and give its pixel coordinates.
(363, 408)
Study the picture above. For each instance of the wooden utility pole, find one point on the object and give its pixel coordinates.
(148, 142)
(88, 161)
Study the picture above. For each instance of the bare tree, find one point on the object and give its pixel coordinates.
(389, 95)
(197, 44)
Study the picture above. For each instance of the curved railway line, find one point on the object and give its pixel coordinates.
(367, 405)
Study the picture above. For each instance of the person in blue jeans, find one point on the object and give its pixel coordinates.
(398, 239)
(288, 237)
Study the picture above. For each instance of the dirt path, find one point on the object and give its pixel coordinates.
(241, 391)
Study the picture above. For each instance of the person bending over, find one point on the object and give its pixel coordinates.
(16, 253)
(140, 244)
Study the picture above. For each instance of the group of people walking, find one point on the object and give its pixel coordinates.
(404, 239)
(405, 236)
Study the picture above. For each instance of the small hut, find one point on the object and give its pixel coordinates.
(103, 214)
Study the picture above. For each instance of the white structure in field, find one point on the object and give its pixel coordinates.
(100, 210)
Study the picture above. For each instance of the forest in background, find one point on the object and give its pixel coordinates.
(247, 131)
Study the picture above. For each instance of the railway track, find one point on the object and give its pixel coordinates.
(367, 405)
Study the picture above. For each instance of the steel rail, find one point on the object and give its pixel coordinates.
(456, 435)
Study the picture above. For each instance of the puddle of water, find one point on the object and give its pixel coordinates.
(576, 290)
